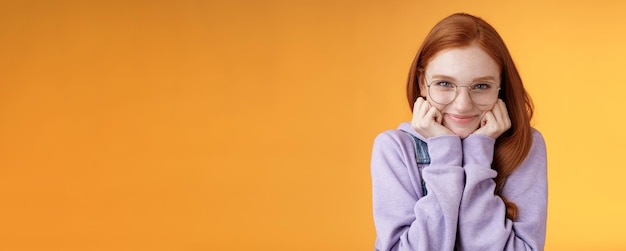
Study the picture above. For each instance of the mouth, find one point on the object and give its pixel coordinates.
(461, 119)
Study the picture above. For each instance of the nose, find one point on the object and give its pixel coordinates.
(463, 101)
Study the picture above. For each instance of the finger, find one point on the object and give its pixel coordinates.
(488, 120)
(419, 113)
(417, 108)
(504, 118)
(433, 115)
(425, 107)
(420, 109)
(439, 116)
(419, 102)
(497, 112)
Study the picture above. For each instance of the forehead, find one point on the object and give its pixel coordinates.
(463, 64)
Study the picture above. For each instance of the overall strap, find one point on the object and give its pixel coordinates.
(421, 156)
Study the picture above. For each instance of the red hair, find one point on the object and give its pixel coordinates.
(460, 30)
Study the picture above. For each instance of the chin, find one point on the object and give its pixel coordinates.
(463, 135)
(463, 132)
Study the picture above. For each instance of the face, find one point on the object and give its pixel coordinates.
(463, 66)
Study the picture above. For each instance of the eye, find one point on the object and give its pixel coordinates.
(445, 84)
(482, 86)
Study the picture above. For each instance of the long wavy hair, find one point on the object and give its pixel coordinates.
(460, 30)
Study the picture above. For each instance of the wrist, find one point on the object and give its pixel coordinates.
(445, 150)
(478, 149)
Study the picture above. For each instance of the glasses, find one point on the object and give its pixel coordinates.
(443, 92)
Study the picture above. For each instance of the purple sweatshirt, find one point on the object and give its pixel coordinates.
(460, 210)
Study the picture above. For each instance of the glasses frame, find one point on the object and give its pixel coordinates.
(456, 93)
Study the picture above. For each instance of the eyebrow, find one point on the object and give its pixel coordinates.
(484, 78)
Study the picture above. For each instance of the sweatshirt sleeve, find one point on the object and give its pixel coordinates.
(482, 218)
(404, 220)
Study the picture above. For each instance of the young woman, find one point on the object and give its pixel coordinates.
(468, 172)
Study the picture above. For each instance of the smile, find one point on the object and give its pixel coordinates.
(461, 119)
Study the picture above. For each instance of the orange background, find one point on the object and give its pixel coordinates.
(247, 125)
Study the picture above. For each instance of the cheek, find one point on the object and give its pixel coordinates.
(485, 109)
(439, 107)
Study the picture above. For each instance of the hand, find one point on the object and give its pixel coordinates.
(495, 122)
(427, 120)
